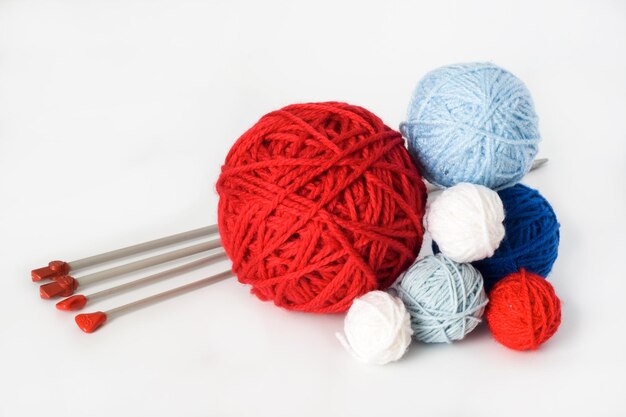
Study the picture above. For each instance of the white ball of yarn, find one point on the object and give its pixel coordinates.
(466, 222)
(377, 327)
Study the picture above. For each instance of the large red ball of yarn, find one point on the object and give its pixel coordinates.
(319, 204)
(523, 311)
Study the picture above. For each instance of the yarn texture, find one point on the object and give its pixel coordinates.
(531, 238)
(466, 222)
(472, 123)
(377, 328)
(523, 311)
(445, 299)
(320, 203)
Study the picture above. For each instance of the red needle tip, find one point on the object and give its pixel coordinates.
(73, 303)
(54, 269)
(61, 287)
(90, 322)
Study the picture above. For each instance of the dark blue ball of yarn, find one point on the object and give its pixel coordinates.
(531, 240)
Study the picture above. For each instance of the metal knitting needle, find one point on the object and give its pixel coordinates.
(59, 268)
(537, 163)
(78, 301)
(66, 284)
(89, 322)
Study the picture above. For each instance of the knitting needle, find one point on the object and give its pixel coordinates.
(66, 284)
(78, 301)
(60, 268)
(89, 322)
(537, 163)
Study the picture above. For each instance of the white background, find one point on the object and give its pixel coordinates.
(115, 117)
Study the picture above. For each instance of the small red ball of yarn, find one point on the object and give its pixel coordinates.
(320, 203)
(523, 311)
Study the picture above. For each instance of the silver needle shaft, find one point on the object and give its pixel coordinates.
(168, 294)
(148, 262)
(89, 322)
(78, 301)
(158, 276)
(60, 268)
(142, 247)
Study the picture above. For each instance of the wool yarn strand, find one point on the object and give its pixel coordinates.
(531, 238)
(524, 311)
(320, 203)
(445, 299)
(377, 328)
(472, 123)
(465, 221)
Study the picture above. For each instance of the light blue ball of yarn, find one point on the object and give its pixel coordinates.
(445, 299)
(472, 123)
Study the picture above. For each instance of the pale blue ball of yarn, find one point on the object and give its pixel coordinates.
(445, 299)
(472, 123)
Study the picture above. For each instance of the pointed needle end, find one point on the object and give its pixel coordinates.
(539, 163)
